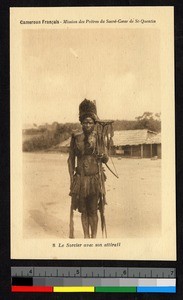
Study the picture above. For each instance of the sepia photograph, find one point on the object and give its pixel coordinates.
(92, 135)
(60, 69)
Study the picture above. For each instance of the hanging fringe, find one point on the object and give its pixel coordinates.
(105, 133)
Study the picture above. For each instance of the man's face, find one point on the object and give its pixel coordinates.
(88, 125)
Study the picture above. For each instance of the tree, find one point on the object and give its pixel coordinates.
(149, 121)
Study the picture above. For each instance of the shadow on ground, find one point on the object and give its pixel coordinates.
(51, 225)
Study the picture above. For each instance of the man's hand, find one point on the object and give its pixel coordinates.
(103, 158)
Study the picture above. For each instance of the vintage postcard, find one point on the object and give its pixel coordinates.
(92, 133)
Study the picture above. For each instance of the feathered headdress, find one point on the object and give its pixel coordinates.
(87, 108)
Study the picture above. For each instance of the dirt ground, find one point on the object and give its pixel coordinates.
(134, 200)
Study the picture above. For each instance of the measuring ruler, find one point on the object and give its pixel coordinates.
(93, 279)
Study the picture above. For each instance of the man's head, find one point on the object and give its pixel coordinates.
(88, 125)
(87, 109)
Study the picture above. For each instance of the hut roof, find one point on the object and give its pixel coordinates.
(128, 137)
(156, 139)
(135, 137)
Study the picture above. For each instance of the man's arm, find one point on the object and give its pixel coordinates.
(71, 159)
(71, 167)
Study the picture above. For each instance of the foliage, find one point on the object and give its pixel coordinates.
(51, 136)
(149, 121)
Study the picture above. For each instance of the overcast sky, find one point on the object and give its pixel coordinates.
(119, 68)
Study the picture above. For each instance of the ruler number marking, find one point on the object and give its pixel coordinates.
(77, 272)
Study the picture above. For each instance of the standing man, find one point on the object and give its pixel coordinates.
(85, 168)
